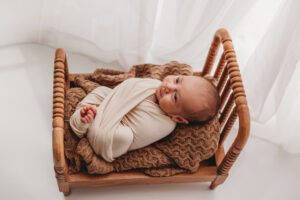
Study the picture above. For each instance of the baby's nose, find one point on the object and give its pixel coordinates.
(166, 89)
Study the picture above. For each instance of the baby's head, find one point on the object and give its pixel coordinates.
(188, 98)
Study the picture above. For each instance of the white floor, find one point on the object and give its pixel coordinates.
(263, 171)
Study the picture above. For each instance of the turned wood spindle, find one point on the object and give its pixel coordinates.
(228, 126)
(220, 67)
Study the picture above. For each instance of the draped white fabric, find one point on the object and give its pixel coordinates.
(265, 34)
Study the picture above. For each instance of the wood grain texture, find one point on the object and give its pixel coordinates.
(82, 180)
(60, 84)
(238, 92)
(228, 75)
(223, 79)
(226, 110)
(220, 67)
(211, 57)
(224, 94)
(228, 126)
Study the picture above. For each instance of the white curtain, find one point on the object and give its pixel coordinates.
(272, 77)
(127, 32)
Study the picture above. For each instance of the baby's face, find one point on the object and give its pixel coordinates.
(178, 92)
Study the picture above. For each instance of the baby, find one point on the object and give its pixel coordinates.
(177, 99)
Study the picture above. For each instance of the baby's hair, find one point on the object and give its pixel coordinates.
(214, 101)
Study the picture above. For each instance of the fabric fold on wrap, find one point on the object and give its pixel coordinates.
(115, 106)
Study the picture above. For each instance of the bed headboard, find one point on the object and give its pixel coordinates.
(232, 93)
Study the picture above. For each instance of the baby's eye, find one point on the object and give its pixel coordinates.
(177, 80)
(175, 97)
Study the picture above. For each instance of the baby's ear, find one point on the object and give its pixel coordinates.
(179, 119)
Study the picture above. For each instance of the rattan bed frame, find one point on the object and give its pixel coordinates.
(233, 106)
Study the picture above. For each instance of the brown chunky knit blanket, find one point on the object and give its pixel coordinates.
(179, 152)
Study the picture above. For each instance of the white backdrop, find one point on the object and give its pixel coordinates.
(265, 34)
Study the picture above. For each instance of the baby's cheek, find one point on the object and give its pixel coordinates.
(164, 105)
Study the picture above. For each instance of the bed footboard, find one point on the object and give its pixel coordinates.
(60, 84)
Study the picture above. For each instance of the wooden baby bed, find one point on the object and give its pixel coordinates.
(233, 105)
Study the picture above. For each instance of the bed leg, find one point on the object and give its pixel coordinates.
(62, 182)
(67, 193)
(64, 188)
(218, 180)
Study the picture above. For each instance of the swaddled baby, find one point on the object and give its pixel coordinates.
(139, 112)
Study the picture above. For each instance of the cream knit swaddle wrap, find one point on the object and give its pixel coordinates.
(115, 106)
